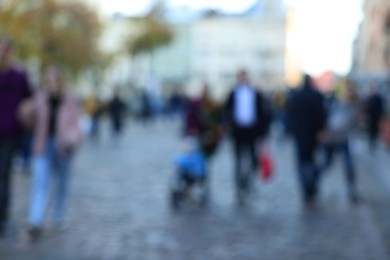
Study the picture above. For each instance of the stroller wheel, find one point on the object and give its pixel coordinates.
(204, 197)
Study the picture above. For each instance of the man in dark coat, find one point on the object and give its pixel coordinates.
(117, 110)
(14, 88)
(308, 120)
(248, 122)
(375, 111)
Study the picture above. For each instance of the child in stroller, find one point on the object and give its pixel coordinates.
(190, 179)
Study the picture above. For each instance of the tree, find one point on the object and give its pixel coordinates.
(53, 32)
(156, 33)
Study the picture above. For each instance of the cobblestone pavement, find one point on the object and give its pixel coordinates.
(119, 209)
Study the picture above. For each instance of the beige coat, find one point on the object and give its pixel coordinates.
(36, 114)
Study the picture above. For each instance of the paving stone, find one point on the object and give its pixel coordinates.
(119, 209)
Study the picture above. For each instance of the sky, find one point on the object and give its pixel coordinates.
(326, 28)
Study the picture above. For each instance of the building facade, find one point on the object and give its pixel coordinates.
(208, 46)
(371, 50)
(255, 41)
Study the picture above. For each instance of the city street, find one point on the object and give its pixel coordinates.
(119, 208)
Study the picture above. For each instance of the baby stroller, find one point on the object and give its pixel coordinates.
(189, 183)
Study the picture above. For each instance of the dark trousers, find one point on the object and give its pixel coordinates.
(244, 147)
(7, 148)
(345, 149)
(95, 126)
(25, 150)
(373, 132)
(308, 171)
(116, 123)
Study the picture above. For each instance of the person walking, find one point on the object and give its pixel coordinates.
(341, 123)
(307, 121)
(56, 135)
(210, 131)
(14, 88)
(248, 123)
(117, 109)
(92, 107)
(203, 120)
(375, 110)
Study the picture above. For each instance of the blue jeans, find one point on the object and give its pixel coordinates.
(344, 148)
(48, 166)
(308, 170)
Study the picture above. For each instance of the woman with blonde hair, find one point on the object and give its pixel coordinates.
(55, 115)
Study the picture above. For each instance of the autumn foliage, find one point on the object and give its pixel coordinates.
(61, 32)
(155, 32)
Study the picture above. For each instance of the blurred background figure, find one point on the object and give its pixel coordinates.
(56, 135)
(288, 106)
(176, 104)
(375, 110)
(308, 120)
(342, 121)
(191, 117)
(117, 109)
(14, 88)
(203, 133)
(203, 120)
(93, 109)
(146, 107)
(279, 101)
(210, 123)
(248, 124)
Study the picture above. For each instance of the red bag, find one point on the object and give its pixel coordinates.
(386, 131)
(266, 166)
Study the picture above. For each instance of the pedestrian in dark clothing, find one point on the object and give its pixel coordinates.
(14, 89)
(25, 151)
(146, 107)
(92, 107)
(248, 123)
(192, 122)
(117, 109)
(176, 104)
(203, 119)
(290, 95)
(307, 118)
(341, 123)
(375, 110)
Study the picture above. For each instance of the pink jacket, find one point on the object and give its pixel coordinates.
(68, 135)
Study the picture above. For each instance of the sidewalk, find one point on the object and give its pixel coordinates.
(376, 169)
(119, 209)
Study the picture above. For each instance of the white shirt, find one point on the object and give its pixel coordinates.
(245, 106)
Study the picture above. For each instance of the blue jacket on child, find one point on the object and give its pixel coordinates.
(192, 163)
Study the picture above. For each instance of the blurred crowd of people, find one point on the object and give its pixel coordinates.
(43, 125)
(321, 124)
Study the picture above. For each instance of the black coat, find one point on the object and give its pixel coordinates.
(117, 108)
(307, 113)
(375, 108)
(261, 126)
